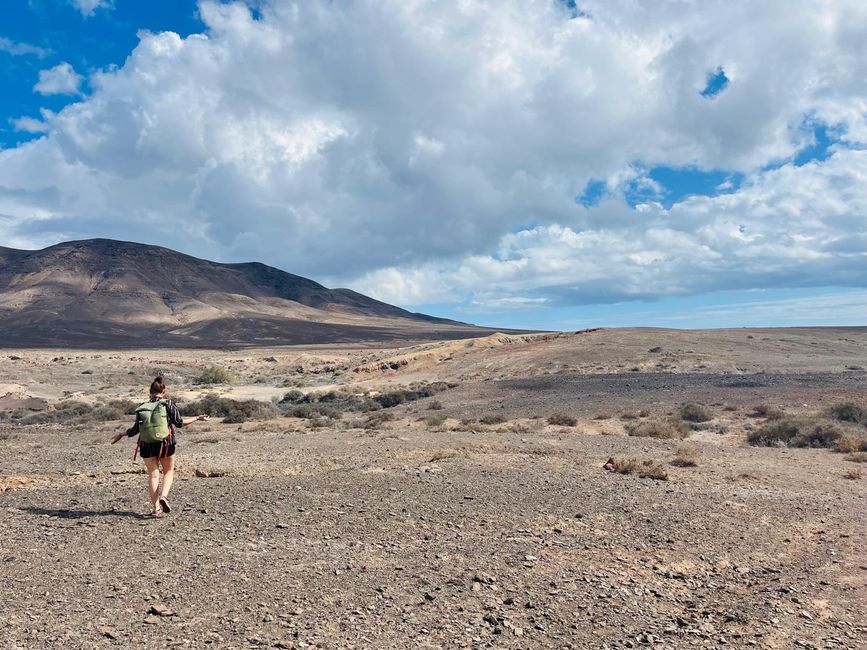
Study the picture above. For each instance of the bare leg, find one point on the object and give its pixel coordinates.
(168, 465)
(153, 467)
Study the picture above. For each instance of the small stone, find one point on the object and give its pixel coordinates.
(160, 610)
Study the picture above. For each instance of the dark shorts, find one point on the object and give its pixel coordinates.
(157, 449)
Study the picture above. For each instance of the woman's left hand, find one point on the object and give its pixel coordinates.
(117, 437)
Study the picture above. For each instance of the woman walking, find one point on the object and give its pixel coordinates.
(155, 423)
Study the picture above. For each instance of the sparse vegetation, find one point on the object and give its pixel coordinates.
(644, 469)
(493, 419)
(671, 429)
(215, 375)
(716, 427)
(561, 419)
(859, 457)
(434, 421)
(411, 394)
(377, 420)
(687, 456)
(767, 412)
(444, 454)
(692, 412)
(854, 474)
(847, 412)
(435, 405)
(232, 411)
(806, 431)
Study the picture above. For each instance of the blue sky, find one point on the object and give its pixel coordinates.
(87, 42)
(538, 164)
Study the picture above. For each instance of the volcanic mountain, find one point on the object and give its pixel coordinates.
(106, 293)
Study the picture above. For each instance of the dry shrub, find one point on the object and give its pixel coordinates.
(629, 416)
(768, 412)
(602, 416)
(561, 419)
(801, 432)
(847, 412)
(644, 469)
(377, 420)
(670, 429)
(692, 412)
(411, 394)
(232, 411)
(687, 456)
(435, 405)
(493, 419)
(854, 474)
(860, 457)
(434, 420)
(850, 444)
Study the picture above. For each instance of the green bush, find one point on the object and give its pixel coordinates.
(216, 375)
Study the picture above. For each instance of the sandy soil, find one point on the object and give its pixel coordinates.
(423, 534)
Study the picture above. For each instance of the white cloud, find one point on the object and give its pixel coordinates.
(22, 49)
(89, 7)
(426, 151)
(30, 125)
(62, 79)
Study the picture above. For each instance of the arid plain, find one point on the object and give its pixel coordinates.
(446, 494)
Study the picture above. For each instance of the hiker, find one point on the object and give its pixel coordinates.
(155, 423)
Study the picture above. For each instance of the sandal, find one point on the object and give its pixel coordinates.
(164, 504)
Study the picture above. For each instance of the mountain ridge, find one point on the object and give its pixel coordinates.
(97, 292)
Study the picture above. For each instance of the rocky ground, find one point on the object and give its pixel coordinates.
(439, 531)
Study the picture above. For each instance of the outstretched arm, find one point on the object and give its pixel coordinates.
(195, 418)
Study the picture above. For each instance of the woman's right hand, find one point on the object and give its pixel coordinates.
(117, 437)
(204, 418)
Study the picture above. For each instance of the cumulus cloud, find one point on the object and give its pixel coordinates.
(428, 152)
(62, 79)
(89, 7)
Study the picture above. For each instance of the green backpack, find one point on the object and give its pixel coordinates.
(153, 421)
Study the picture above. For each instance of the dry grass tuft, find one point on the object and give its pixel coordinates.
(854, 474)
(860, 457)
(561, 419)
(445, 454)
(434, 421)
(670, 429)
(644, 469)
(692, 412)
(687, 456)
(493, 419)
(767, 412)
